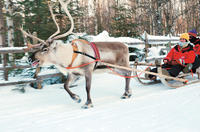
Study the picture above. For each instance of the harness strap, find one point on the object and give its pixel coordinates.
(96, 51)
(76, 52)
(75, 48)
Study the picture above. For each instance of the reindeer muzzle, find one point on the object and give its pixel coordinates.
(33, 61)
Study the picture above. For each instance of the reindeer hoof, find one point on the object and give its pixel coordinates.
(76, 98)
(87, 106)
(126, 96)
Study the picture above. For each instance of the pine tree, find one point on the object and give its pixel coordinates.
(37, 18)
(123, 24)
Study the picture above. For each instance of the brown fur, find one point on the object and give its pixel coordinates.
(111, 52)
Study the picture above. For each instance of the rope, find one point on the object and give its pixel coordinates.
(98, 60)
(125, 76)
(132, 69)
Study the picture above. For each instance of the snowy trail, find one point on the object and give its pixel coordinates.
(152, 108)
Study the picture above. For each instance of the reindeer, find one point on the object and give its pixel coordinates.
(80, 53)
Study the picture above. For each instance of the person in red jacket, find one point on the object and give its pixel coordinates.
(180, 56)
(196, 42)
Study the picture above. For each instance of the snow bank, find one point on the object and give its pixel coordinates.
(104, 36)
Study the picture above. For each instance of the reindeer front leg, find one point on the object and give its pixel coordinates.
(66, 86)
(88, 78)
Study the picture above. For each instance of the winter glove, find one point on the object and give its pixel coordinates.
(174, 62)
(166, 61)
(187, 68)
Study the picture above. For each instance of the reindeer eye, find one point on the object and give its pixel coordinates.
(45, 49)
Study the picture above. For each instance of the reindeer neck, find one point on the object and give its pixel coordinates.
(62, 54)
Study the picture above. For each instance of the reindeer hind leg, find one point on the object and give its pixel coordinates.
(127, 93)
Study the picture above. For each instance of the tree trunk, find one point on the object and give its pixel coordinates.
(10, 25)
(2, 39)
(198, 23)
(2, 26)
(158, 18)
(2, 29)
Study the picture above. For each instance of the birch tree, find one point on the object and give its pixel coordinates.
(2, 27)
(10, 25)
(2, 38)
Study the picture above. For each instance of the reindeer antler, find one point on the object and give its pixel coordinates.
(64, 6)
(53, 36)
(31, 46)
(32, 36)
(54, 19)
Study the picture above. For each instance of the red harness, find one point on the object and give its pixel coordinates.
(75, 54)
(96, 51)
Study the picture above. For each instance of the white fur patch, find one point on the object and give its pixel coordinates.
(107, 55)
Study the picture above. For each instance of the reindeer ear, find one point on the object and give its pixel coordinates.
(54, 44)
(29, 45)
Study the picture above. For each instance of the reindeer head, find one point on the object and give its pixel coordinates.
(39, 56)
(44, 49)
(47, 54)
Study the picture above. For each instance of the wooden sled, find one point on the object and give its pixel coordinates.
(177, 84)
(172, 82)
(141, 77)
(169, 81)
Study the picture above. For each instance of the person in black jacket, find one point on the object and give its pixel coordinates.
(196, 42)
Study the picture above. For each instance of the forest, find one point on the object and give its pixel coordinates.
(119, 17)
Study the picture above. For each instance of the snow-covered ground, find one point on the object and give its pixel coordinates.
(152, 108)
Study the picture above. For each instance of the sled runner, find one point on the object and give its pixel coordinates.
(140, 76)
(191, 79)
(173, 82)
